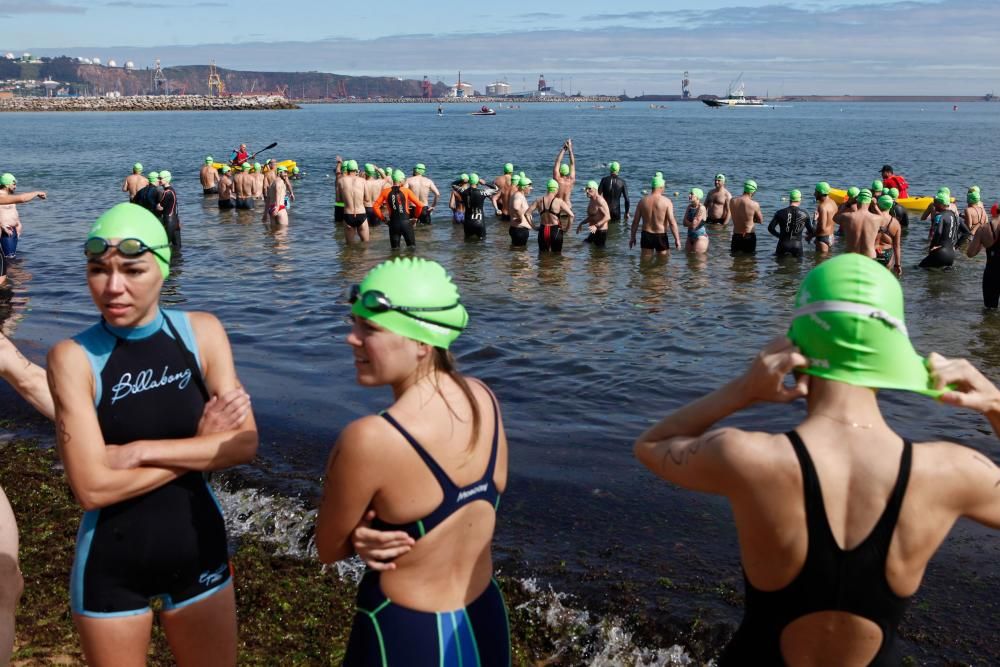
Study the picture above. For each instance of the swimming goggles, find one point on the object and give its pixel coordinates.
(96, 246)
(377, 302)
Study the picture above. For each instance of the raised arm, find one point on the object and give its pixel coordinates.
(80, 442)
(572, 159)
(559, 159)
(207, 450)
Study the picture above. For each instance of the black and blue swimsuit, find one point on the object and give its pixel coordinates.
(389, 635)
(169, 543)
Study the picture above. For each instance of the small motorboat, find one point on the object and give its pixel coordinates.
(484, 111)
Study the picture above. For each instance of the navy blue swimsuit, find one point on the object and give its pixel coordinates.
(169, 543)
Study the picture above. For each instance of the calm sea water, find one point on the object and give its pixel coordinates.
(584, 349)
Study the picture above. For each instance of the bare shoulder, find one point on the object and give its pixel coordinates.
(362, 441)
(65, 352)
(205, 323)
(747, 449)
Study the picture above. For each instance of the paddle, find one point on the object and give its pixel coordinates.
(265, 148)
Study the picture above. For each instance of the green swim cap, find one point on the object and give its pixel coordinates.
(877, 186)
(552, 185)
(414, 282)
(720, 177)
(942, 198)
(165, 176)
(225, 170)
(749, 186)
(464, 178)
(257, 166)
(564, 169)
(508, 168)
(697, 192)
(849, 324)
(522, 174)
(853, 192)
(591, 185)
(398, 176)
(658, 174)
(894, 193)
(137, 168)
(295, 170)
(420, 168)
(282, 169)
(7, 180)
(474, 179)
(657, 182)
(865, 197)
(130, 221)
(352, 165)
(973, 197)
(155, 175)
(525, 182)
(369, 168)
(975, 188)
(209, 160)
(885, 202)
(795, 195)
(614, 167)
(946, 190)
(515, 180)
(247, 166)
(823, 188)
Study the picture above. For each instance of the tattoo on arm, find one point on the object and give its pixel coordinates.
(63, 435)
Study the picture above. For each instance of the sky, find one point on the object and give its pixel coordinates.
(928, 47)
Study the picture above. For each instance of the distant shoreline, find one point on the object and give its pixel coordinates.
(147, 103)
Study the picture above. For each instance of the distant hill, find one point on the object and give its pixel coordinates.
(193, 80)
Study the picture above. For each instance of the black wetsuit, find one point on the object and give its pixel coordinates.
(147, 197)
(168, 543)
(902, 216)
(399, 219)
(787, 225)
(613, 188)
(474, 199)
(991, 274)
(168, 216)
(831, 579)
(946, 232)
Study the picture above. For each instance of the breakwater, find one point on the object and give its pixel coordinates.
(148, 103)
(499, 100)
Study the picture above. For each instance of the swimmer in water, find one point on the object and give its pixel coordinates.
(551, 212)
(134, 181)
(423, 187)
(209, 177)
(474, 199)
(505, 190)
(654, 212)
(987, 237)
(613, 188)
(822, 233)
(943, 234)
(859, 225)
(227, 188)
(717, 202)
(888, 243)
(10, 219)
(745, 213)
(598, 217)
(352, 191)
(694, 221)
(565, 174)
(400, 201)
(520, 213)
(787, 225)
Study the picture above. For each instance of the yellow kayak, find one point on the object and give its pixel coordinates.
(287, 164)
(911, 204)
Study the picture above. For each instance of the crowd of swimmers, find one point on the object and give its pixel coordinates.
(836, 519)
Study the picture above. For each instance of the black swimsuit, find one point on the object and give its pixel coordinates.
(991, 274)
(169, 543)
(831, 579)
(550, 237)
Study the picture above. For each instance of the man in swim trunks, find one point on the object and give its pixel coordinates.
(134, 182)
(244, 187)
(373, 187)
(745, 213)
(520, 213)
(166, 210)
(505, 190)
(455, 199)
(257, 181)
(787, 225)
(209, 177)
(10, 221)
(822, 233)
(270, 173)
(598, 217)
(227, 189)
(654, 212)
(275, 210)
(400, 201)
(891, 180)
(859, 226)
(694, 220)
(888, 246)
(612, 187)
(422, 187)
(717, 202)
(551, 213)
(351, 191)
(565, 174)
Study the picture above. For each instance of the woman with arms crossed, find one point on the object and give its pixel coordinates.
(432, 465)
(837, 519)
(134, 418)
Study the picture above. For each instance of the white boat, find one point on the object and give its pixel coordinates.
(736, 97)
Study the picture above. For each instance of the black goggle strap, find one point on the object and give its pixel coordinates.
(379, 302)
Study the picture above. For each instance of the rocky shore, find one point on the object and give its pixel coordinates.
(148, 103)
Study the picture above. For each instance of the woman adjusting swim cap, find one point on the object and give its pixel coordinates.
(414, 298)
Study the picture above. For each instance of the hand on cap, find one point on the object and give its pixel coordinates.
(968, 388)
(377, 548)
(765, 379)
